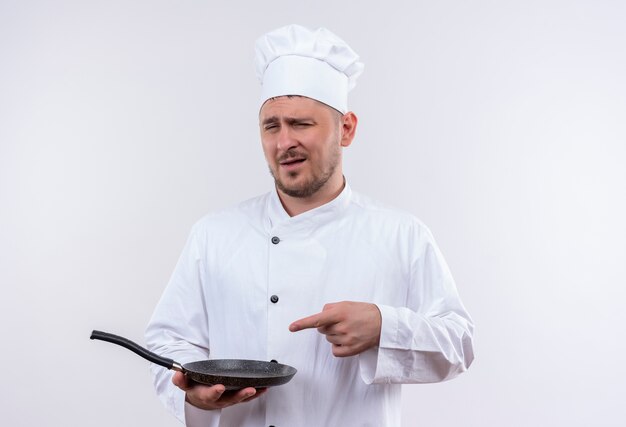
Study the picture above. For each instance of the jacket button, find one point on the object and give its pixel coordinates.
(274, 361)
(275, 240)
(274, 299)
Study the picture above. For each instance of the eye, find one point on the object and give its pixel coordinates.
(302, 125)
(271, 127)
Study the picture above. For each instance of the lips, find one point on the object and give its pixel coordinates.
(291, 160)
(291, 165)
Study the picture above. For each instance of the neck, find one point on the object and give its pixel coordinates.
(298, 205)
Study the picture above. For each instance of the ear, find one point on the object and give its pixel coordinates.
(348, 128)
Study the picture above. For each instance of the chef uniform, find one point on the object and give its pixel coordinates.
(247, 272)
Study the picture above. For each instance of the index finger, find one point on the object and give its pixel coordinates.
(315, 321)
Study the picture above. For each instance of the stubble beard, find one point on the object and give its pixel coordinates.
(311, 185)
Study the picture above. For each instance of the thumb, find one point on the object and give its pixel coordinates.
(180, 380)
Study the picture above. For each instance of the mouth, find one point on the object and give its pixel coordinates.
(292, 163)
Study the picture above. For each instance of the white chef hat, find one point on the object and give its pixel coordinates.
(294, 60)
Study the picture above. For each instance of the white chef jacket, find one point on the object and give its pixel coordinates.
(218, 305)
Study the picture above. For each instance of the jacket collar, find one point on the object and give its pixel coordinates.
(279, 219)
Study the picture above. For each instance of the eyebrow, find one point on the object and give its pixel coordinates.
(271, 119)
(289, 120)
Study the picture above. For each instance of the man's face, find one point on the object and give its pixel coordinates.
(302, 143)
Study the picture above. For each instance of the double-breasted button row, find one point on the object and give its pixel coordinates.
(274, 298)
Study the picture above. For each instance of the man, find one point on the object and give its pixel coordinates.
(355, 295)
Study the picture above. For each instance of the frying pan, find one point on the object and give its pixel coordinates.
(233, 374)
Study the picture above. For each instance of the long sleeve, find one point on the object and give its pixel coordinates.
(429, 339)
(179, 330)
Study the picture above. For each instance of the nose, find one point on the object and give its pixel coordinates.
(285, 139)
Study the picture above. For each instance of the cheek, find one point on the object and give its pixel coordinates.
(268, 151)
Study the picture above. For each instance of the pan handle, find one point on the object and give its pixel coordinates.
(136, 348)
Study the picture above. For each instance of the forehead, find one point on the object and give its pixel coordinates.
(292, 106)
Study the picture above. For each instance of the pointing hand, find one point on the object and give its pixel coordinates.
(351, 327)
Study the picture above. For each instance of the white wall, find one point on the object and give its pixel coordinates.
(500, 124)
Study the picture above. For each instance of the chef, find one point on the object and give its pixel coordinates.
(353, 294)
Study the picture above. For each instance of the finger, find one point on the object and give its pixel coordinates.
(259, 392)
(335, 339)
(234, 397)
(208, 395)
(247, 393)
(180, 380)
(334, 328)
(315, 321)
(343, 350)
(306, 323)
(213, 393)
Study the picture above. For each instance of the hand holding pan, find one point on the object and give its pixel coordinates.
(234, 374)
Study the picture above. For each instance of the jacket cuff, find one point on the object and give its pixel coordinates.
(372, 361)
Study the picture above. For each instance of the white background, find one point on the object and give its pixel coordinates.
(500, 124)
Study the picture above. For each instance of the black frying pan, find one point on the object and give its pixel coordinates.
(234, 374)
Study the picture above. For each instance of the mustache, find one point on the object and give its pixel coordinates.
(291, 154)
